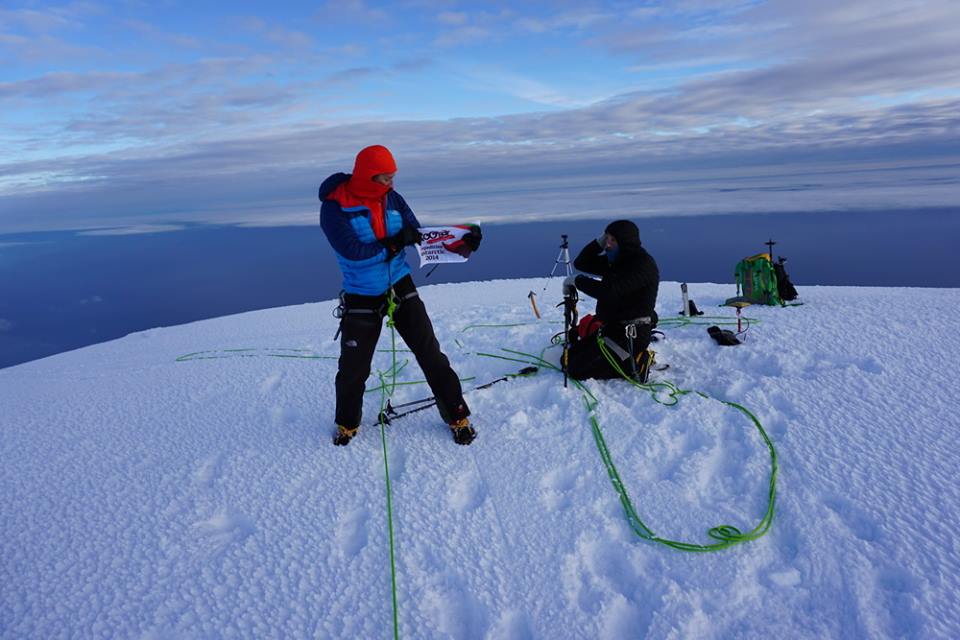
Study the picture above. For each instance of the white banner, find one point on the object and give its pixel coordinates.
(444, 244)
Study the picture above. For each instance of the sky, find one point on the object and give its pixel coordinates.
(135, 117)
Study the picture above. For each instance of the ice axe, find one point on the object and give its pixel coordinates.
(533, 303)
(569, 321)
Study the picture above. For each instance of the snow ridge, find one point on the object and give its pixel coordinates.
(149, 497)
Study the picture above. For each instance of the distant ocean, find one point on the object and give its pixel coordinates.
(63, 290)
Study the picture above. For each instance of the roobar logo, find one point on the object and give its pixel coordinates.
(433, 237)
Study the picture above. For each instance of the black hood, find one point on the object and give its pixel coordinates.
(332, 183)
(627, 235)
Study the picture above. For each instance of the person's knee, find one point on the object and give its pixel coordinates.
(415, 328)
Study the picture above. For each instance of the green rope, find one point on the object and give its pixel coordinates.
(411, 382)
(683, 321)
(725, 535)
(386, 471)
(490, 326)
(384, 396)
(217, 354)
(302, 354)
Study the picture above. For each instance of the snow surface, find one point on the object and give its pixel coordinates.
(146, 497)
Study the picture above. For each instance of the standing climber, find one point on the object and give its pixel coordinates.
(368, 224)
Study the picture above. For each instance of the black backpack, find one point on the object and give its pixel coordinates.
(784, 287)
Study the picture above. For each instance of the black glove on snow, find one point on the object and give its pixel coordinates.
(724, 337)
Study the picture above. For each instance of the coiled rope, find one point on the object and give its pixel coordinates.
(725, 535)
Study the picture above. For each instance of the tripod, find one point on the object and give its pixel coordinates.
(562, 258)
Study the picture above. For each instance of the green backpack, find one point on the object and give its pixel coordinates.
(757, 280)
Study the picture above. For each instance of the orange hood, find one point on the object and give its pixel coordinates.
(371, 161)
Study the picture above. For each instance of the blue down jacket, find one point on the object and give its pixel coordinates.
(363, 260)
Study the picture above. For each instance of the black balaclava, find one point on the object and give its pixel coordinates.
(626, 234)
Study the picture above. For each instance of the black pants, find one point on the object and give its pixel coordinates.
(585, 360)
(360, 330)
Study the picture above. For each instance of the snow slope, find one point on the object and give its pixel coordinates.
(146, 497)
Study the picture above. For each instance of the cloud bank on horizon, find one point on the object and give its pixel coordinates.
(128, 115)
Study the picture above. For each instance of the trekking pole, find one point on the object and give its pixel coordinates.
(389, 413)
(569, 322)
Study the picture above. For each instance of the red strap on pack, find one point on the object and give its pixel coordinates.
(588, 325)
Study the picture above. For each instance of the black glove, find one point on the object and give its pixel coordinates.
(579, 279)
(392, 245)
(395, 243)
(724, 337)
(472, 238)
(408, 236)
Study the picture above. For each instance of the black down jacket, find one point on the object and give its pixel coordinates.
(628, 286)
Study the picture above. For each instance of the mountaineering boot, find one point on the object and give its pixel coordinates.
(645, 360)
(463, 433)
(344, 435)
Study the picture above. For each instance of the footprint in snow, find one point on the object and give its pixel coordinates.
(281, 416)
(451, 608)
(622, 618)
(466, 493)
(223, 529)
(856, 520)
(900, 590)
(513, 624)
(605, 580)
(397, 459)
(556, 488)
(209, 470)
(787, 537)
(886, 597)
(351, 532)
(786, 579)
(866, 365)
(272, 382)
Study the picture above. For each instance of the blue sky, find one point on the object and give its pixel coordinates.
(141, 115)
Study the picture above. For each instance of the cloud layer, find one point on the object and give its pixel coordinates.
(702, 106)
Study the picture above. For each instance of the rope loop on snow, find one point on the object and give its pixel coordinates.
(725, 535)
